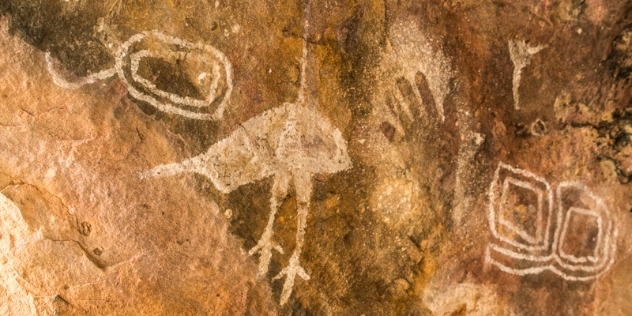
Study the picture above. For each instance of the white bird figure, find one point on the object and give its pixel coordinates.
(291, 143)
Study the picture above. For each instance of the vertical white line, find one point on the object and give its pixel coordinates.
(301, 91)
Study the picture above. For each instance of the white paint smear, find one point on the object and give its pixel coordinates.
(520, 53)
(414, 52)
(473, 299)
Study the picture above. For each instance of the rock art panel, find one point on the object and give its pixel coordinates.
(315, 157)
(80, 237)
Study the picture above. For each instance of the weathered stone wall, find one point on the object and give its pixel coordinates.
(315, 158)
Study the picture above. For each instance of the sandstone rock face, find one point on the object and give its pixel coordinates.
(315, 157)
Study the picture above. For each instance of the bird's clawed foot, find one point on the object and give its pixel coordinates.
(290, 272)
(264, 247)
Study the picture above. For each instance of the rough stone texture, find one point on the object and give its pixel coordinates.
(436, 104)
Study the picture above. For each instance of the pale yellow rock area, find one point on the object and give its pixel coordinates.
(82, 234)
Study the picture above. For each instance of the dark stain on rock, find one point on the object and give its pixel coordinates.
(426, 94)
(169, 77)
(63, 30)
(388, 130)
(620, 59)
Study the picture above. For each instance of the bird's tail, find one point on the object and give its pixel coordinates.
(169, 169)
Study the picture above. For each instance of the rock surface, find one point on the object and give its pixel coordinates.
(419, 157)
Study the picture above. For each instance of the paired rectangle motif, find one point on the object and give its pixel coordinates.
(573, 237)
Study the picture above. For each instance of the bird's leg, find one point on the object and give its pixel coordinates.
(266, 244)
(303, 185)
